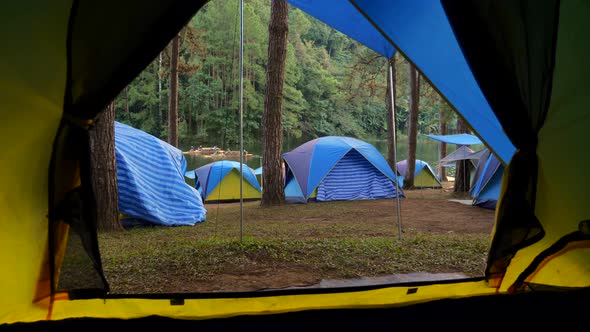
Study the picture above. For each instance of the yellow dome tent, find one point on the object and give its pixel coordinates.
(219, 181)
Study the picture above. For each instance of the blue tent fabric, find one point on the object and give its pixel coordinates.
(210, 175)
(488, 181)
(355, 178)
(420, 29)
(427, 32)
(488, 195)
(330, 149)
(150, 179)
(459, 139)
(311, 162)
(293, 193)
(258, 171)
(342, 16)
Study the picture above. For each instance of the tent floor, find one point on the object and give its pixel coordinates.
(526, 311)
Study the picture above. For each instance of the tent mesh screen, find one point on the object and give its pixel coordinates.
(78, 271)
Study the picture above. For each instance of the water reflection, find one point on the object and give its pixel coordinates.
(426, 149)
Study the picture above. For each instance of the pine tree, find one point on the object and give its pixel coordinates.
(272, 164)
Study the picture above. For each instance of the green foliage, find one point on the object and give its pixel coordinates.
(333, 85)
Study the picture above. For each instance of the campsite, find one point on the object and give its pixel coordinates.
(303, 245)
(368, 164)
(339, 223)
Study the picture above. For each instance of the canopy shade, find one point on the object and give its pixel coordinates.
(459, 139)
(420, 29)
(342, 16)
(462, 153)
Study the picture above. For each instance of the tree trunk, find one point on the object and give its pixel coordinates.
(463, 175)
(127, 103)
(160, 117)
(442, 152)
(391, 126)
(104, 171)
(190, 118)
(173, 98)
(412, 126)
(272, 128)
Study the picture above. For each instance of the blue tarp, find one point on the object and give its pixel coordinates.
(421, 31)
(150, 177)
(462, 153)
(459, 139)
(342, 16)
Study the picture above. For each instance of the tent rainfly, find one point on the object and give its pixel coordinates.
(462, 153)
(337, 168)
(487, 181)
(424, 175)
(219, 181)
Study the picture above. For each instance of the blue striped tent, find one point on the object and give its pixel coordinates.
(150, 176)
(337, 168)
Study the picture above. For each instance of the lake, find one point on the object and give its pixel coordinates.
(426, 150)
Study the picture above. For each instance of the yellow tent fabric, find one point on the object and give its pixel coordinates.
(63, 61)
(425, 179)
(31, 105)
(228, 189)
(40, 82)
(561, 205)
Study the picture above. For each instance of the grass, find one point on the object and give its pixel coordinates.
(345, 257)
(284, 245)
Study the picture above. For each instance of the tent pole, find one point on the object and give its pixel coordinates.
(241, 118)
(398, 189)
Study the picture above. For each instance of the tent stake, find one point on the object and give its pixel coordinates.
(398, 189)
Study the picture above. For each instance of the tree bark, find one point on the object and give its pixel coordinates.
(173, 98)
(412, 126)
(190, 118)
(442, 152)
(104, 171)
(127, 103)
(391, 126)
(463, 175)
(158, 69)
(272, 128)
